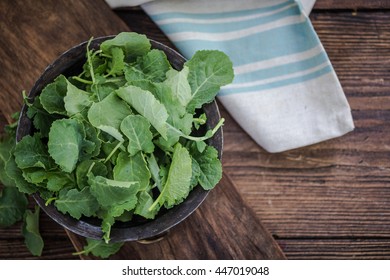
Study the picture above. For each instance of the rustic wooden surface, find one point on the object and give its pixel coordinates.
(327, 201)
(224, 228)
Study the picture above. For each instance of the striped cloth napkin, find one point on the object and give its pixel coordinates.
(285, 93)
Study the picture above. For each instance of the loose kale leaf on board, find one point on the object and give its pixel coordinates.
(7, 144)
(101, 249)
(30, 230)
(13, 204)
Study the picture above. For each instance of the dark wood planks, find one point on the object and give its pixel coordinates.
(351, 4)
(34, 33)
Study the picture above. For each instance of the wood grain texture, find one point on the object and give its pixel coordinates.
(352, 4)
(34, 33)
(223, 227)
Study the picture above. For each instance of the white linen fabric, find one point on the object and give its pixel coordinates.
(285, 93)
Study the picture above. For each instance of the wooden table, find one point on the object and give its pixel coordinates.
(326, 201)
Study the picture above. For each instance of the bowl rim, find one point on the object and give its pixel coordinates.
(151, 228)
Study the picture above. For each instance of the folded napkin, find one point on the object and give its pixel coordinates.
(285, 92)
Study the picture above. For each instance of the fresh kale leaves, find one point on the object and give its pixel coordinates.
(117, 140)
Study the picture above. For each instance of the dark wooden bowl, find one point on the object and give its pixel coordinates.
(70, 63)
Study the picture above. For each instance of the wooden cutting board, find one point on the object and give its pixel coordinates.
(223, 227)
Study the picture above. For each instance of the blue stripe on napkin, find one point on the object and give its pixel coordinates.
(255, 40)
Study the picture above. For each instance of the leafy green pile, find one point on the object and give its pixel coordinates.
(13, 203)
(118, 140)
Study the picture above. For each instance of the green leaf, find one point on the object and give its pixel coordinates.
(35, 176)
(66, 139)
(76, 100)
(146, 105)
(98, 64)
(92, 143)
(13, 204)
(42, 120)
(112, 131)
(30, 152)
(101, 249)
(83, 168)
(52, 96)
(77, 203)
(137, 130)
(177, 115)
(177, 185)
(58, 180)
(133, 169)
(13, 172)
(154, 170)
(132, 44)
(134, 74)
(113, 192)
(32, 236)
(195, 173)
(154, 65)
(108, 112)
(145, 201)
(210, 166)
(7, 144)
(107, 222)
(209, 70)
(117, 63)
(177, 81)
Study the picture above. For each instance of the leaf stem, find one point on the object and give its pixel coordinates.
(82, 80)
(50, 200)
(113, 151)
(89, 59)
(208, 135)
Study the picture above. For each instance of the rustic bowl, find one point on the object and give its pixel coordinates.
(70, 63)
